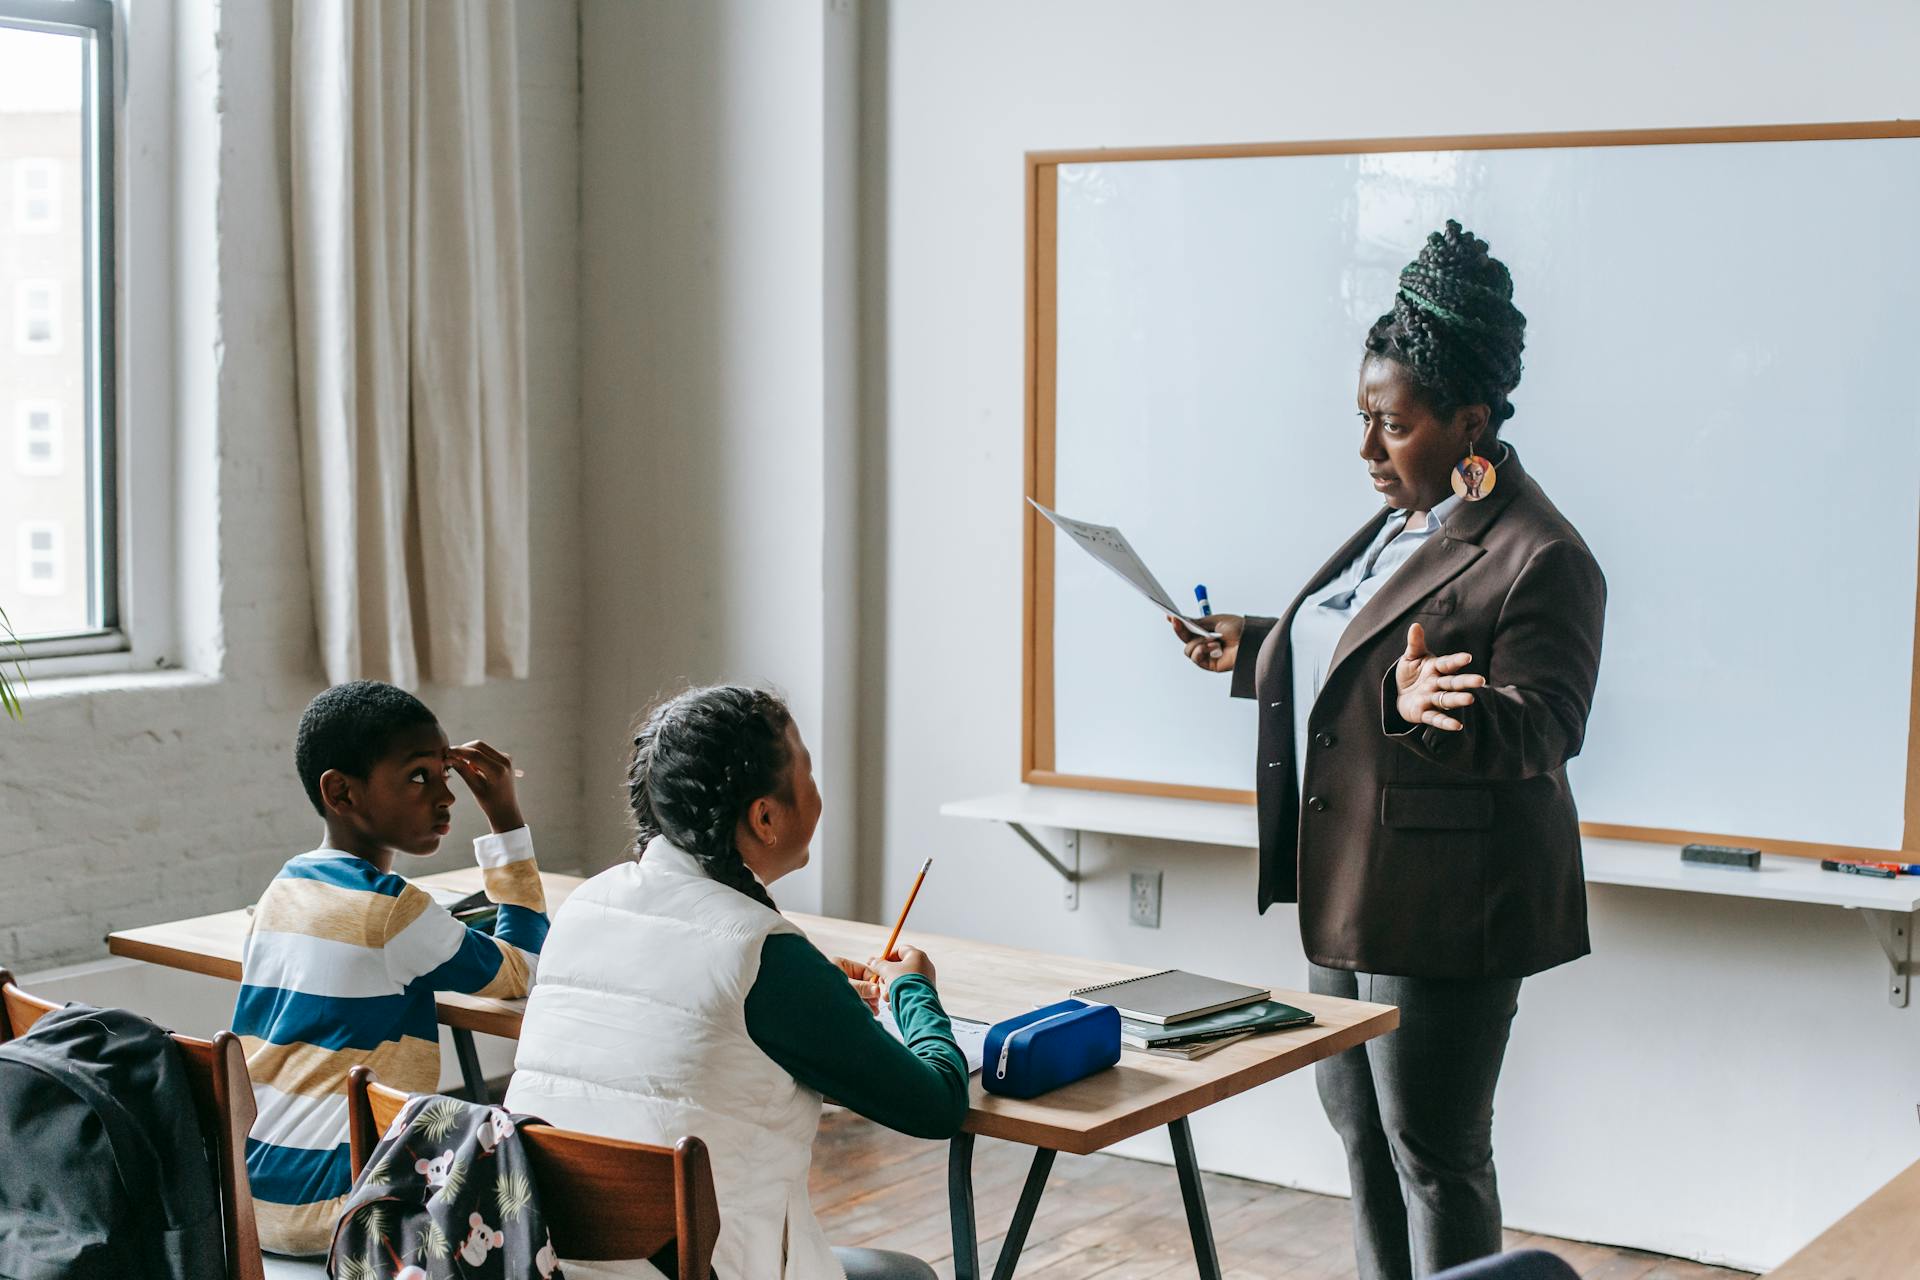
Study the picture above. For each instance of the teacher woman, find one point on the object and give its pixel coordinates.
(1424, 693)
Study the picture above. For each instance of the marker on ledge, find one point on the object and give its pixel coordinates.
(1877, 871)
(1200, 594)
(1898, 868)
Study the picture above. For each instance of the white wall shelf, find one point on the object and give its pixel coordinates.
(1888, 906)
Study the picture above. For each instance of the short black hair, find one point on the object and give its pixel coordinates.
(350, 727)
(1454, 326)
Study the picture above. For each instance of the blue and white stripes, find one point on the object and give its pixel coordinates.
(340, 968)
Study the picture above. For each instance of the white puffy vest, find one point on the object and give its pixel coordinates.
(636, 1029)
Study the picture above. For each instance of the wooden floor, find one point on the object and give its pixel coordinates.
(1116, 1219)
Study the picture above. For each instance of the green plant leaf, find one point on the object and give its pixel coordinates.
(379, 1219)
(512, 1193)
(433, 1242)
(439, 1118)
(9, 698)
(382, 1173)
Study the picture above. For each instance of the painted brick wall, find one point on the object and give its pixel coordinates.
(128, 802)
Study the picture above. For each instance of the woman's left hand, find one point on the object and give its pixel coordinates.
(1431, 686)
(865, 982)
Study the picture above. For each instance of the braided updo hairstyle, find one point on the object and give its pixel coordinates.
(699, 761)
(1454, 326)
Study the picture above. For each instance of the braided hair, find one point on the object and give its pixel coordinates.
(699, 761)
(1454, 327)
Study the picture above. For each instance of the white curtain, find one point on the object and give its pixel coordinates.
(410, 336)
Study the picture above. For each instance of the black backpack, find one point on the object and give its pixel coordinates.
(105, 1171)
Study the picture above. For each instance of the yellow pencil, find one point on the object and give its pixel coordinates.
(886, 952)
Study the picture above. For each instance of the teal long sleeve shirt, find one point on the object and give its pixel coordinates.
(803, 1013)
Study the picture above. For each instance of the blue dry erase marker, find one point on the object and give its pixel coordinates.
(1200, 594)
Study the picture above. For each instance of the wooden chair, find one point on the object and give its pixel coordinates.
(604, 1199)
(223, 1097)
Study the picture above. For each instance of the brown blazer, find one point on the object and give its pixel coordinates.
(1421, 852)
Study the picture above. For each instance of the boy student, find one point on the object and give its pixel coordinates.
(343, 956)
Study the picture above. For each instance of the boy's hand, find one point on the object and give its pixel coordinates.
(488, 773)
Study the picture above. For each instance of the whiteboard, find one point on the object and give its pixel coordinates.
(1720, 393)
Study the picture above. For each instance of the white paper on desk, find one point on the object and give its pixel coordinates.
(1110, 547)
(971, 1036)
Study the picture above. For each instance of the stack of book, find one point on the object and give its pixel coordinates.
(1198, 1037)
(474, 910)
(1175, 1014)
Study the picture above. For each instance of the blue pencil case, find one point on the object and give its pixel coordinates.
(1044, 1049)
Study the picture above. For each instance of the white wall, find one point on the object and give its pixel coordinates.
(1719, 1079)
(124, 802)
(716, 401)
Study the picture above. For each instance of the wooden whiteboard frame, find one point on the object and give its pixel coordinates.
(1042, 307)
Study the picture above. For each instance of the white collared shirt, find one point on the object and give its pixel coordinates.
(1323, 617)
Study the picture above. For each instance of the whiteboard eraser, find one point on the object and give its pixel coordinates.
(1721, 855)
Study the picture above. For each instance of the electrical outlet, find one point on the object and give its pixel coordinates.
(1143, 899)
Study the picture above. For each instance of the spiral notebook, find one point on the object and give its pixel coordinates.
(1172, 995)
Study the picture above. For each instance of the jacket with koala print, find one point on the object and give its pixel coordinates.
(448, 1194)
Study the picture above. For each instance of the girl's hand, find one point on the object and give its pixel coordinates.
(865, 982)
(489, 773)
(1211, 655)
(909, 960)
(1430, 686)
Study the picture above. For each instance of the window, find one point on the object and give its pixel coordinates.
(41, 570)
(36, 195)
(36, 438)
(36, 312)
(62, 589)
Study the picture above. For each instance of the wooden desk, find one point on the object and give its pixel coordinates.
(977, 980)
(1878, 1241)
(211, 945)
(981, 980)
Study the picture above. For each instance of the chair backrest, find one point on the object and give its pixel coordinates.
(603, 1199)
(223, 1097)
(21, 1009)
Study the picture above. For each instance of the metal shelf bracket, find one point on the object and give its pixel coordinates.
(1070, 847)
(1893, 930)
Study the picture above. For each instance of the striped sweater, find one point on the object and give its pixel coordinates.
(340, 968)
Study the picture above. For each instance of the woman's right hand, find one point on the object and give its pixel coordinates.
(1211, 655)
(910, 960)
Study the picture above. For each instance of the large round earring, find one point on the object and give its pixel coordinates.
(1473, 479)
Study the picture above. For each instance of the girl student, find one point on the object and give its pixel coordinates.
(673, 999)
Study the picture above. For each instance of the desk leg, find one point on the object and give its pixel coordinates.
(1016, 1238)
(1199, 1225)
(966, 1238)
(470, 1074)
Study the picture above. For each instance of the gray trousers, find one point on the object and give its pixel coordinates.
(1415, 1110)
(880, 1264)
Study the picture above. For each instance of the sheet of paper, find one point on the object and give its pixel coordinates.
(1110, 547)
(971, 1036)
